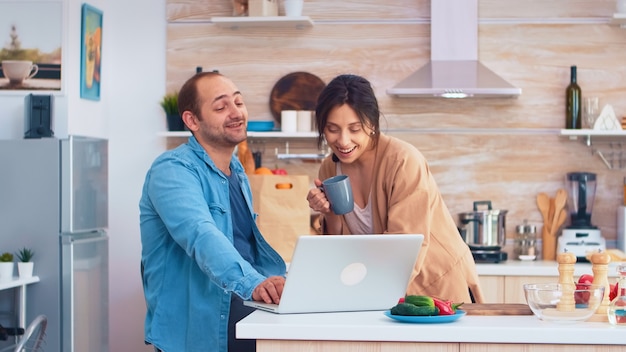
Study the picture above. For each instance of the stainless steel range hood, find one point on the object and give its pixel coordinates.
(454, 70)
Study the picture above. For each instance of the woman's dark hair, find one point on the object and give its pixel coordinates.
(188, 99)
(355, 91)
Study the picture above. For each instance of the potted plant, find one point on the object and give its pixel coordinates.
(169, 103)
(25, 264)
(6, 266)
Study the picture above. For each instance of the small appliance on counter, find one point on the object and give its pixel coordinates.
(484, 231)
(581, 236)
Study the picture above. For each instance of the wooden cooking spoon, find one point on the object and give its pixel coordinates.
(551, 212)
(560, 220)
(559, 205)
(543, 203)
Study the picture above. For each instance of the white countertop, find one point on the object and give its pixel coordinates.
(514, 267)
(374, 326)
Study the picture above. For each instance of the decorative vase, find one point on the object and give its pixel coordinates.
(25, 269)
(6, 271)
(175, 122)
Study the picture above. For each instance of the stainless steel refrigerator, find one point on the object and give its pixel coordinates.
(54, 199)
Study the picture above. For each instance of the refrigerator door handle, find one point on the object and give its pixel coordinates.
(73, 239)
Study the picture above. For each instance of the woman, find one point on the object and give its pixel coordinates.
(393, 188)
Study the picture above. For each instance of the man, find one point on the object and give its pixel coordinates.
(202, 252)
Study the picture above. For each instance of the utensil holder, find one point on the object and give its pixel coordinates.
(548, 244)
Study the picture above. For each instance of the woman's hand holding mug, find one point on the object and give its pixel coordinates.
(333, 194)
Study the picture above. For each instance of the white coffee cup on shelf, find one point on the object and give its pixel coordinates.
(289, 121)
(304, 120)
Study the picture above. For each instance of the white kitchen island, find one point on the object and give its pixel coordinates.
(374, 332)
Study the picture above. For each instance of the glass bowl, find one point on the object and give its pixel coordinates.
(553, 302)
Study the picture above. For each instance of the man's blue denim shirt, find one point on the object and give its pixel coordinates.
(190, 266)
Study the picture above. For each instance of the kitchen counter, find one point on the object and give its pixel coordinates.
(372, 331)
(514, 267)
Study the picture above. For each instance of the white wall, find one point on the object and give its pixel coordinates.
(133, 81)
(134, 47)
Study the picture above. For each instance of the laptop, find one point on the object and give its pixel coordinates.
(341, 273)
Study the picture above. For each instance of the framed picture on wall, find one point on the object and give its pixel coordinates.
(31, 41)
(90, 52)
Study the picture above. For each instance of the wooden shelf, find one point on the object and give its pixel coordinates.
(573, 134)
(619, 19)
(300, 22)
(270, 134)
(593, 133)
(495, 131)
(488, 131)
(606, 144)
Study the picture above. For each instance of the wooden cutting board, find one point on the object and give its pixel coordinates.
(295, 91)
(496, 309)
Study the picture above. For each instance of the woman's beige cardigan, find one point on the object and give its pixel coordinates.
(406, 199)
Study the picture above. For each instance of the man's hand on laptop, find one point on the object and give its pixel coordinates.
(270, 290)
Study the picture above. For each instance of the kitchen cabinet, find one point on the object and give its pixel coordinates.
(372, 331)
(510, 289)
(493, 288)
(306, 346)
(503, 282)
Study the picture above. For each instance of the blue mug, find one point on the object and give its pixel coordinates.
(339, 194)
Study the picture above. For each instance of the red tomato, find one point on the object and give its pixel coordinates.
(279, 172)
(585, 279)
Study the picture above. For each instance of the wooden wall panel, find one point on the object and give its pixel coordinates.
(183, 10)
(555, 9)
(530, 43)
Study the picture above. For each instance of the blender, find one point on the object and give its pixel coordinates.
(581, 237)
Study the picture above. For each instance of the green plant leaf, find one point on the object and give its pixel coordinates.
(25, 255)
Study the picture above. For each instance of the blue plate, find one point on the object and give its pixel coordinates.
(260, 126)
(428, 319)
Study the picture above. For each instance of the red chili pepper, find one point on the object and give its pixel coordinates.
(614, 290)
(446, 307)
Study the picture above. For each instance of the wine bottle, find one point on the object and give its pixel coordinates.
(573, 102)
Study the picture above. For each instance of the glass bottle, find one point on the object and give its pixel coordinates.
(617, 307)
(572, 102)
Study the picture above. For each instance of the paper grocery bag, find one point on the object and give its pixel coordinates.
(282, 208)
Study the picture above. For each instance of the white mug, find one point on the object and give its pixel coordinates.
(289, 121)
(304, 120)
(18, 70)
(293, 8)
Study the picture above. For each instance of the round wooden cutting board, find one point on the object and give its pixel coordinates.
(295, 91)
